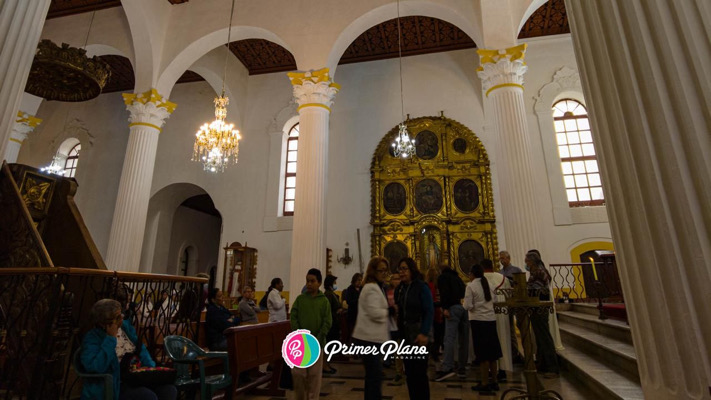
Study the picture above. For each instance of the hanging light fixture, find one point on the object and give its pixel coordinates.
(403, 146)
(217, 142)
(55, 167)
(66, 73)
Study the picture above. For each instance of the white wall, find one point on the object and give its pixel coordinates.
(196, 229)
(365, 109)
(544, 57)
(101, 125)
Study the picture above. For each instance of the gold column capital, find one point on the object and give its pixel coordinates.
(487, 56)
(148, 109)
(150, 96)
(315, 76)
(313, 88)
(27, 119)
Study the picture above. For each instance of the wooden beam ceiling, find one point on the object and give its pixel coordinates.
(419, 35)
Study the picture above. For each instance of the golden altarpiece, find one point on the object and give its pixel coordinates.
(240, 269)
(436, 206)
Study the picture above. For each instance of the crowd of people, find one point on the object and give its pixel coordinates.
(435, 309)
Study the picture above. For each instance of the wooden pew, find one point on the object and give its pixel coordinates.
(253, 345)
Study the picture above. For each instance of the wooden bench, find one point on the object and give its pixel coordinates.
(253, 345)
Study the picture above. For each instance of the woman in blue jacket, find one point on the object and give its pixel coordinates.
(102, 348)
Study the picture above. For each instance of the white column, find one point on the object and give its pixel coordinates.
(314, 92)
(645, 68)
(501, 72)
(24, 124)
(21, 23)
(148, 113)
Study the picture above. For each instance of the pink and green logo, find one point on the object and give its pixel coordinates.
(300, 349)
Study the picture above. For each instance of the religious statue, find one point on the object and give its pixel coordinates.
(432, 252)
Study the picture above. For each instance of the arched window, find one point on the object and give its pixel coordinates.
(292, 144)
(70, 165)
(578, 159)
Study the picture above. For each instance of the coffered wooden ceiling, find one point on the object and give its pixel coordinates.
(420, 35)
(549, 19)
(61, 8)
(123, 80)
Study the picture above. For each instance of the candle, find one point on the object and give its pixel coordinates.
(593, 267)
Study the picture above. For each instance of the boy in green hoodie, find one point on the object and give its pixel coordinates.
(311, 311)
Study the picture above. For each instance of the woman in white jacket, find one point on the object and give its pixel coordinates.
(371, 327)
(275, 303)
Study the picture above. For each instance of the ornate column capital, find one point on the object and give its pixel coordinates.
(24, 124)
(502, 68)
(148, 109)
(313, 88)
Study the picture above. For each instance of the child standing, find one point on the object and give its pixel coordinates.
(311, 311)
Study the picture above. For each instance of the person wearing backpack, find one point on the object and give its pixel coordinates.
(456, 325)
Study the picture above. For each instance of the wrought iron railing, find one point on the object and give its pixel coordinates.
(587, 283)
(44, 312)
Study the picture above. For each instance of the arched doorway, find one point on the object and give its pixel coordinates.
(436, 206)
(183, 231)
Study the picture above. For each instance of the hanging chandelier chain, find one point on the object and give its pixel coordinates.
(91, 22)
(227, 53)
(403, 145)
(399, 51)
(217, 143)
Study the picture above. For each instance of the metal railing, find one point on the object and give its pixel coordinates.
(44, 313)
(587, 283)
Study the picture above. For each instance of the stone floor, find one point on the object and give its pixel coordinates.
(347, 384)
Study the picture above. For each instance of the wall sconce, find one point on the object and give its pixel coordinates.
(346, 259)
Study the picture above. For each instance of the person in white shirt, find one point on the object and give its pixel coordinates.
(479, 301)
(275, 303)
(371, 327)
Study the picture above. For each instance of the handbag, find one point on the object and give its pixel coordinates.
(133, 373)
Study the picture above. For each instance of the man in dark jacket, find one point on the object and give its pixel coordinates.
(456, 325)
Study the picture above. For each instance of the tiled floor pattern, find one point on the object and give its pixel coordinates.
(347, 384)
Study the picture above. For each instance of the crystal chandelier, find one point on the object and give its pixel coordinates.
(217, 142)
(403, 146)
(55, 167)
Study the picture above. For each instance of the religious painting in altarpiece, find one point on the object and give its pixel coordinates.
(436, 206)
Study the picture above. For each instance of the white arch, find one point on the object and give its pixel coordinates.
(159, 223)
(535, 4)
(211, 68)
(147, 21)
(100, 49)
(67, 145)
(195, 50)
(192, 261)
(388, 12)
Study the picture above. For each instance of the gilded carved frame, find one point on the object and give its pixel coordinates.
(459, 155)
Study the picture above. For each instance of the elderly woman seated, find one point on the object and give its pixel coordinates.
(106, 344)
(248, 309)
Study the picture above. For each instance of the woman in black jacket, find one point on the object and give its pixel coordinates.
(217, 319)
(415, 315)
(350, 303)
